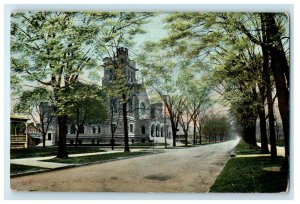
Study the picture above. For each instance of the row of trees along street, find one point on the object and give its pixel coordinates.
(248, 57)
(244, 57)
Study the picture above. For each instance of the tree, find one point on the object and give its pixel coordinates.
(271, 35)
(117, 33)
(199, 121)
(33, 102)
(280, 69)
(87, 106)
(197, 99)
(216, 126)
(176, 78)
(50, 50)
(160, 75)
(115, 113)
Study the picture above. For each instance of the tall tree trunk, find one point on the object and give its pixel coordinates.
(194, 132)
(280, 69)
(262, 114)
(78, 125)
(268, 85)
(185, 139)
(62, 146)
(264, 87)
(249, 134)
(200, 134)
(77, 137)
(43, 128)
(215, 137)
(271, 126)
(111, 127)
(112, 140)
(263, 131)
(271, 116)
(44, 139)
(174, 131)
(125, 123)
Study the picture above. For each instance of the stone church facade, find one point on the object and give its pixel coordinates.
(146, 121)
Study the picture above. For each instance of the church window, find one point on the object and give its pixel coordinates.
(49, 136)
(152, 130)
(143, 108)
(143, 130)
(131, 128)
(157, 131)
(130, 108)
(115, 105)
(113, 127)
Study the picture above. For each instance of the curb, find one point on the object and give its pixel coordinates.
(233, 153)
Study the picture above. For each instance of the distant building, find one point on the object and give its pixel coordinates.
(52, 131)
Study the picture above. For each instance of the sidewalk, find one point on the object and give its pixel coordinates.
(280, 152)
(38, 161)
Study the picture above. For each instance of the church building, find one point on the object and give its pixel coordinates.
(146, 122)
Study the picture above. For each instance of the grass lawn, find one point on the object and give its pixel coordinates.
(244, 148)
(246, 175)
(97, 158)
(251, 174)
(48, 151)
(20, 169)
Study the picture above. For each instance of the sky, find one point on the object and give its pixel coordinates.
(154, 31)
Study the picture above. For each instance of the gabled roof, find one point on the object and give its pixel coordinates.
(15, 117)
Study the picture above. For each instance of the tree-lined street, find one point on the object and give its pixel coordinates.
(177, 170)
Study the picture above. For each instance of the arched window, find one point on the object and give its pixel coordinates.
(94, 129)
(131, 128)
(115, 105)
(157, 130)
(152, 130)
(143, 130)
(130, 107)
(143, 108)
(99, 129)
(162, 131)
(81, 129)
(72, 129)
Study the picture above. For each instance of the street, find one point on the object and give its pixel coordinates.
(191, 169)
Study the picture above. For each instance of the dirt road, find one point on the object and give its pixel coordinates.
(177, 170)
